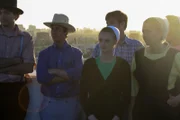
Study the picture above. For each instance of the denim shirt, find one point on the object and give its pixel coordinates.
(66, 58)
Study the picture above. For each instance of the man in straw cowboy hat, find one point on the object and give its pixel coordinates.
(16, 59)
(58, 71)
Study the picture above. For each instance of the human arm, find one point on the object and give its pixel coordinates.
(43, 76)
(174, 100)
(134, 88)
(22, 64)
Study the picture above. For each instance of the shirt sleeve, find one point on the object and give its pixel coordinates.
(134, 83)
(28, 51)
(177, 63)
(75, 72)
(42, 69)
(174, 73)
(139, 46)
(96, 51)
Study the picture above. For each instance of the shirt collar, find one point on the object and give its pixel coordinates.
(126, 40)
(65, 45)
(16, 31)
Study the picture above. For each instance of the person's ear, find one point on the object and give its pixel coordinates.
(16, 16)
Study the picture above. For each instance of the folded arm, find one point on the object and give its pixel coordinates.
(43, 76)
(74, 73)
(22, 65)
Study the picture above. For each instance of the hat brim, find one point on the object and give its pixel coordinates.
(14, 9)
(70, 28)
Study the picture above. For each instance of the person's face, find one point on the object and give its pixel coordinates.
(114, 22)
(58, 34)
(152, 33)
(106, 41)
(7, 18)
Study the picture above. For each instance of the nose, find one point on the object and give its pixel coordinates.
(103, 44)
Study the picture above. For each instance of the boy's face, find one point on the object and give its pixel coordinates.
(7, 17)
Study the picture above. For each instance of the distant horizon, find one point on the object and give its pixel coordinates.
(27, 26)
(91, 14)
(76, 28)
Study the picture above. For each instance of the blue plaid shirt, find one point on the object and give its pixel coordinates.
(125, 50)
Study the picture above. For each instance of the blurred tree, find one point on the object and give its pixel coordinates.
(136, 35)
(42, 41)
(21, 27)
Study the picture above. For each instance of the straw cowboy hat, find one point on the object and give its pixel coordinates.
(11, 5)
(62, 20)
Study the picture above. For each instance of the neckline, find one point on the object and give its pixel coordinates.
(113, 69)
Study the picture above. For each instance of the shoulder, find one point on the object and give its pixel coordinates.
(134, 42)
(76, 50)
(177, 57)
(45, 51)
(89, 61)
(140, 51)
(138, 54)
(123, 66)
(96, 46)
(122, 61)
(27, 36)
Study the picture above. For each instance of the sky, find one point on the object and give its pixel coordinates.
(91, 13)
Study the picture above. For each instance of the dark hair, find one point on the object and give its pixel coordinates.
(109, 30)
(119, 16)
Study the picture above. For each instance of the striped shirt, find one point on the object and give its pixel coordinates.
(125, 50)
(11, 45)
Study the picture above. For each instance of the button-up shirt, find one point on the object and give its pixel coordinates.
(125, 50)
(66, 58)
(11, 46)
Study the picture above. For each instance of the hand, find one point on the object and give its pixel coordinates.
(116, 118)
(58, 72)
(173, 101)
(92, 117)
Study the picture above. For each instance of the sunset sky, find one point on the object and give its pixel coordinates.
(90, 13)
